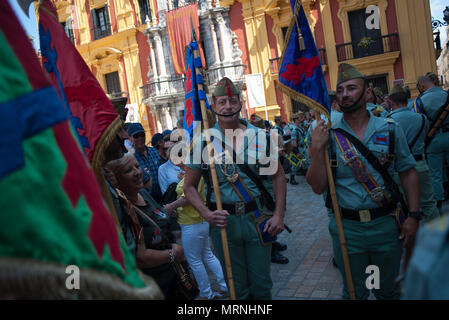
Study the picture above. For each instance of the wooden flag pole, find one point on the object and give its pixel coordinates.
(341, 235)
(224, 237)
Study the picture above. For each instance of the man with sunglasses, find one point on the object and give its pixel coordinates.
(148, 158)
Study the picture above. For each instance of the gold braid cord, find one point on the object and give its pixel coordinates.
(97, 163)
(32, 279)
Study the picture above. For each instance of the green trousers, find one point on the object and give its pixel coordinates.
(250, 260)
(427, 200)
(437, 152)
(369, 243)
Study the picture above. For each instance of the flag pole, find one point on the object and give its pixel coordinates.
(337, 214)
(224, 238)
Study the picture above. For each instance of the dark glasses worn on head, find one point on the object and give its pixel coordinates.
(139, 135)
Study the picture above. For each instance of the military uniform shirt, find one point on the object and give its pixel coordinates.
(350, 192)
(432, 100)
(410, 123)
(247, 151)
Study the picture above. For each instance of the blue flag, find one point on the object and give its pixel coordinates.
(301, 75)
(192, 106)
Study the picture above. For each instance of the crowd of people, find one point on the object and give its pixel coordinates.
(376, 142)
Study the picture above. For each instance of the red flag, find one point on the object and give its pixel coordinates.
(90, 110)
(179, 30)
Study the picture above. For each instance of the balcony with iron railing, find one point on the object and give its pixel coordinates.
(368, 47)
(275, 63)
(102, 31)
(163, 88)
(234, 72)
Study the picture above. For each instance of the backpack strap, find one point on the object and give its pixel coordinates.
(391, 143)
(438, 121)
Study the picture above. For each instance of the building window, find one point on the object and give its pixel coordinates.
(68, 29)
(145, 10)
(112, 82)
(100, 22)
(380, 81)
(359, 31)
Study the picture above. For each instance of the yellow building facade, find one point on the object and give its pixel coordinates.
(401, 49)
(108, 35)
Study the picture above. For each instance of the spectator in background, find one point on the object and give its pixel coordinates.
(148, 159)
(180, 124)
(163, 151)
(169, 172)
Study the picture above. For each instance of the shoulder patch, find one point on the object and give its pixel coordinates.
(381, 139)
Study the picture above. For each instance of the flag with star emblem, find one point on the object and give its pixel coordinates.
(192, 107)
(52, 209)
(301, 75)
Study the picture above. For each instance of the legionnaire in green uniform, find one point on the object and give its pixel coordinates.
(415, 127)
(366, 201)
(277, 125)
(250, 258)
(433, 98)
(372, 98)
(299, 148)
(427, 277)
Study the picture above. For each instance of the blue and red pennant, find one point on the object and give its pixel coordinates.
(192, 107)
(301, 75)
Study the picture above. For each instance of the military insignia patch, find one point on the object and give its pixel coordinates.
(381, 139)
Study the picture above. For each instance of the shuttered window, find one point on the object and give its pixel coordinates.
(112, 82)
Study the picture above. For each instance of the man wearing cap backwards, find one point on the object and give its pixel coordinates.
(250, 260)
(148, 158)
(371, 233)
(431, 101)
(415, 127)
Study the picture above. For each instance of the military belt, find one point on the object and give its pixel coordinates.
(368, 214)
(238, 208)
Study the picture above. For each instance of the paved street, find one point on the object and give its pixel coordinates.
(310, 273)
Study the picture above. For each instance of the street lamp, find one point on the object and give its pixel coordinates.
(437, 23)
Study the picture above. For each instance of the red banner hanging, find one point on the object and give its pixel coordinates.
(179, 33)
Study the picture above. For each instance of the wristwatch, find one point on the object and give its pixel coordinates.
(418, 215)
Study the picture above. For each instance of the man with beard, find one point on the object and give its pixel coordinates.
(249, 251)
(365, 196)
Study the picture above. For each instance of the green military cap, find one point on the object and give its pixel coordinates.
(225, 87)
(277, 118)
(331, 93)
(347, 72)
(378, 91)
(397, 89)
(257, 121)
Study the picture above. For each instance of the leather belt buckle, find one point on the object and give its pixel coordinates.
(239, 208)
(365, 215)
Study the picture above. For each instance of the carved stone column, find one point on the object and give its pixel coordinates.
(214, 42)
(160, 54)
(225, 44)
(153, 59)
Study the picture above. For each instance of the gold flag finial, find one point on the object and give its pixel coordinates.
(302, 45)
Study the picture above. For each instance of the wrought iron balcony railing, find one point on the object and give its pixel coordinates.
(163, 88)
(233, 72)
(102, 31)
(368, 47)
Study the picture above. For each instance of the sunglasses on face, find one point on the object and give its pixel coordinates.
(139, 135)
